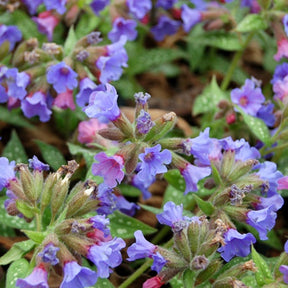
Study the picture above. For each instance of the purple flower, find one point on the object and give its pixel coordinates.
(32, 5)
(200, 147)
(103, 105)
(36, 105)
(105, 255)
(11, 34)
(281, 71)
(3, 95)
(61, 76)
(37, 279)
(110, 168)
(172, 216)
(236, 244)
(6, 172)
(98, 5)
(107, 199)
(46, 22)
(280, 88)
(142, 98)
(246, 152)
(139, 8)
(249, 97)
(126, 207)
(36, 164)
(284, 270)
(58, 5)
(48, 254)
(17, 83)
(166, 4)
(153, 162)
(77, 276)
(275, 202)
(158, 262)
(121, 26)
(141, 249)
(100, 222)
(252, 4)
(268, 171)
(65, 100)
(143, 186)
(285, 23)
(164, 27)
(144, 122)
(86, 86)
(286, 246)
(262, 220)
(266, 114)
(190, 17)
(282, 49)
(192, 174)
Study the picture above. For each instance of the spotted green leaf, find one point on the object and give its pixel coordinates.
(17, 269)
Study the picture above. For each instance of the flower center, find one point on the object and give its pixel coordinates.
(243, 101)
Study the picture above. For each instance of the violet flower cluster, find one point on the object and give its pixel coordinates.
(70, 234)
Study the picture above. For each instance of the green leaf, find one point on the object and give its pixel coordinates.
(151, 209)
(13, 221)
(13, 117)
(216, 175)
(17, 251)
(178, 197)
(25, 209)
(87, 154)
(205, 206)
(174, 178)
(252, 22)
(16, 270)
(51, 155)
(129, 191)
(103, 283)
(209, 99)
(70, 41)
(124, 226)
(263, 273)
(14, 149)
(257, 126)
(86, 24)
(36, 236)
(6, 231)
(223, 40)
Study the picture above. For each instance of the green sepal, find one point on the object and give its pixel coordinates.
(36, 236)
(216, 175)
(27, 210)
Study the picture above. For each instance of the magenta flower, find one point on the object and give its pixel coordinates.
(249, 97)
(37, 279)
(192, 174)
(110, 168)
(77, 276)
(65, 100)
(103, 105)
(282, 49)
(236, 244)
(282, 183)
(61, 76)
(46, 22)
(121, 26)
(153, 162)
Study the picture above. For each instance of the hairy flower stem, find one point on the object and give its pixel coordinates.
(234, 63)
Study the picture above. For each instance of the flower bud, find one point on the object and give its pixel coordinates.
(113, 134)
(193, 232)
(27, 182)
(162, 126)
(48, 189)
(16, 187)
(241, 168)
(199, 262)
(4, 49)
(212, 268)
(124, 125)
(236, 213)
(182, 244)
(227, 163)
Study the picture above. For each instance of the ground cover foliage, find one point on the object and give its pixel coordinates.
(143, 143)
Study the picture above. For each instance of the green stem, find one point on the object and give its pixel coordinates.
(161, 234)
(234, 63)
(38, 222)
(137, 273)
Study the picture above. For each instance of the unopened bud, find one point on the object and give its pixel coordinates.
(4, 49)
(212, 268)
(228, 161)
(163, 125)
(199, 263)
(182, 244)
(47, 189)
(113, 134)
(124, 125)
(59, 193)
(27, 182)
(241, 168)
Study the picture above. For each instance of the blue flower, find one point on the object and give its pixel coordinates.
(192, 174)
(105, 255)
(61, 76)
(11, 34)
(37, 279)
(153, 162)
(77, 276)
(139, 8)
(164, 27)
(121, 26)
(236, 244)
(266, 114)
(58, 5)
(262, 220)
(98, 5)
(36, 164)
(100, 222)
(166, 4)
(103, 105)
(37, 105)
(48, 254)
(190, 17)
(6, 172)
(284, 270)
(144, 122)
(86, 86)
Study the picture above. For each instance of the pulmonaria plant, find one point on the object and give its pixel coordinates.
(59, 245)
